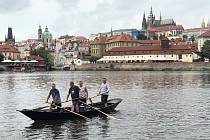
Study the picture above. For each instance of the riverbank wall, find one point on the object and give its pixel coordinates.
(175, 66)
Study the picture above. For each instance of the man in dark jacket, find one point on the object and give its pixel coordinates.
(74, 91)
(56, 97)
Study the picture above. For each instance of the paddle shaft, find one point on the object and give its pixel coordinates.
(79, 98)
(39, 108)
(100, 111)
(71, 111)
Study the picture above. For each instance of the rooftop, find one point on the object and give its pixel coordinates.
(155, 49)
(196, 29)
(206, 34)
(166, 28)
(8, 48)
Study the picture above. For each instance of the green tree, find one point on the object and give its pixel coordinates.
(141, 37)
(205, 51)
(192, 38)
(1, 57)
(94, 59)
(185, 37)
(49, 59)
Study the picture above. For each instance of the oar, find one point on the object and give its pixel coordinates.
(39, 108)
(100, 111)
(71, 111)
(79, 98)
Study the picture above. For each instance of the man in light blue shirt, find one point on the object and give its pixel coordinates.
(104, 91)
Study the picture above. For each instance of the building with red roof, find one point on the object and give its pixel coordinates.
(202, 39)
(165, 31)
(41, 61)
(10, 52)
(192, 34)
(163, 52)
(102, 44)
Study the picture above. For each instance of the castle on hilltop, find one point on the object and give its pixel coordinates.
(151, 21)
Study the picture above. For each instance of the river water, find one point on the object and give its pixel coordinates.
(156, 105)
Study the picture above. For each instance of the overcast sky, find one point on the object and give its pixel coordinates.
(83, 17)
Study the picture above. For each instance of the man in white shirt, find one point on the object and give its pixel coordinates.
(104, 91)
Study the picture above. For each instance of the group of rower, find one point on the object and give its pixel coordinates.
(79, 95)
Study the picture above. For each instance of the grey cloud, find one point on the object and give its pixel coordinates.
(10, 6)
(118, 13)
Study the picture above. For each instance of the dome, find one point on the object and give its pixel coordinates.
(46, 33)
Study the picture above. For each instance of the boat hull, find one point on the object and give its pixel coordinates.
(46, 115)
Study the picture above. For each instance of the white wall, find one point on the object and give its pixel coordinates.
(167, 57)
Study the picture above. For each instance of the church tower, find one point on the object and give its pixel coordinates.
(111, 32)
(208, 24)
(150, 19)
(40, 33)
(144, 23)
(9, 39)
(203, 25)
(160, 16)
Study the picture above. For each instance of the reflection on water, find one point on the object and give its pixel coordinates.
(156, 105)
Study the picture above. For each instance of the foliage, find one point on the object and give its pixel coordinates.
(205, 51)
(192, 38)
(141, 37)
(94, 59)
(185, 37)
(44, 54)
(1, 57)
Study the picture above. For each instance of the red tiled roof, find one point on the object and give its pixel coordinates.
(197, 29)
(120, 38)
(206, 34)
(8, 48)
(149, 41)
(79, 38)
(154, 49)
(166, 28)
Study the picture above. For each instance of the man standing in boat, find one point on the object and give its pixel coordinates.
(74, 91)
(56, 97)
(83, 94)
(104, 91)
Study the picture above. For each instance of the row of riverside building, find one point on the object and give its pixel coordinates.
(166, 42)
(158, 40)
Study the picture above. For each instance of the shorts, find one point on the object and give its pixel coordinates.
(104, 98)
(75, 102)
(83, 100)
(56, 105)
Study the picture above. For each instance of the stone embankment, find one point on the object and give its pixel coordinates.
(176, 66)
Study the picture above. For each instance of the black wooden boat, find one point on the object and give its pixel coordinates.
(44, 114)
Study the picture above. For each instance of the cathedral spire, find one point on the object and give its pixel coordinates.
(203, 24)
(144, 22)
(160, 16)
(111, 31)
(151, 12)
(208, 24)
